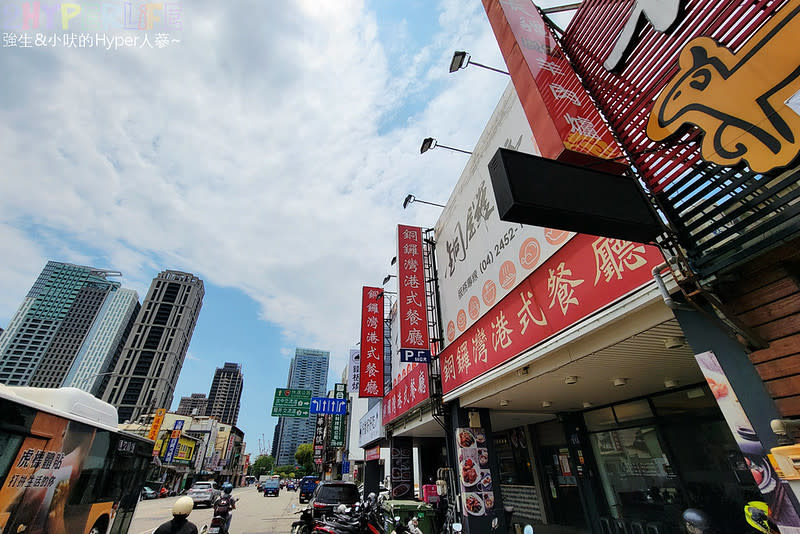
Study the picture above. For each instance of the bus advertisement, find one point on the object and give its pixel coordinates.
(64, 466)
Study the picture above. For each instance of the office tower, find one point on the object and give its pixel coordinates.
(145, 375)
(197, 404)
(50, 326)
(276, 435)
(226, 393)
(308, 370)
(104, 342)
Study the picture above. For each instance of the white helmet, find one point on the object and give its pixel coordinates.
(183, 506)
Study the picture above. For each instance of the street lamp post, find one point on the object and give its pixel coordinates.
(461, 60)
(430, 143)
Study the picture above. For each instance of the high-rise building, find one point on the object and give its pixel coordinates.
(104, 342)
(226, 393)
(308, 370)
(51, 325)
(196, 405)
(145, 375)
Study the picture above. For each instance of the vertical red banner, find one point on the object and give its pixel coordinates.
(413, 309)
(371, 370)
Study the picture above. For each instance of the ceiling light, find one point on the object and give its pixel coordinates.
(620, 381)
(546, 404)
(587, 404)
(674, 342)
(670, 383)
(570, 379)
(503, 402)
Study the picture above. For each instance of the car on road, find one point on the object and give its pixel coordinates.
(330, 494)
(148, 494)
(272, 487)
(291, 486)
(307, 486)
(204, 493)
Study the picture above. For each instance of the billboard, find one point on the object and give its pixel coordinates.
(412, 301)
(338, 422)
(156, 426)
(586, 275)
(370, 426)
(354, 370)
(409, 392)
(371, 369)
(480, 258)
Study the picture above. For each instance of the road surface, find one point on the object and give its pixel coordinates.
(254, 514)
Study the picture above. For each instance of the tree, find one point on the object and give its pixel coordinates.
(262, 466)
(305, 456)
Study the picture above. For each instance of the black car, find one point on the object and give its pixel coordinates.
(330, 494)
(272, 487)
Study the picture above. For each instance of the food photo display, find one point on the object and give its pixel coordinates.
(474, 475)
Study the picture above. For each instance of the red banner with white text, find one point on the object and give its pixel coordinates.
(409, 392)
(585, 275)
(371, 370)
(413, 309)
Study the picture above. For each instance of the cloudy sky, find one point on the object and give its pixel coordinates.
(267, 149)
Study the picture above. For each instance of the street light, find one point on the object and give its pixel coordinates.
(388, 277)
(430, 143)
(411, 198)
(461, 60)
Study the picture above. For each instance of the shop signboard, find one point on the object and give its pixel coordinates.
(586, 275)
(412, 299)
(338, 422)
(566, 124)
(345, 467)
(319, 437)
(370, 427)
(185, 451)
(355, 370)
(409, 392)
(775, 491)
(477, 493)
(371, 370)
(480, 258)
(402, 472)
(173, 441)
(156, 426)
(291, 402)
(372, 454)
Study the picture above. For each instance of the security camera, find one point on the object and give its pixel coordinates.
(784, 427)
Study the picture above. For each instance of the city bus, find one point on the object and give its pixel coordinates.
(65, 468)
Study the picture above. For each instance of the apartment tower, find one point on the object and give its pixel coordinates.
(197, 404)
(308, 370)
(145, 375)
(226, 393)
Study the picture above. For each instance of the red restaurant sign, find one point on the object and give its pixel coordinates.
(413, 316)
(587, 274)
(408, 393)
(371, 371)
(565, 123)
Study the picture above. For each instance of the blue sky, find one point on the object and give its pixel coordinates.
(268, 152)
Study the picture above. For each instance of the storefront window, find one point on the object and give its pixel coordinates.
(637, 477)
(511, 447)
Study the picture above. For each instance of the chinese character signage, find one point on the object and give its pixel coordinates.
(156, 426)
(354, 369)
(338, 422)
(480, 258)
(371, 375)
(587, 274)
(409, 392)
(172, 446)
(413, 309)
(370, 428)
(291, 403)
(566, 124)
(319, 438)
(477, 491)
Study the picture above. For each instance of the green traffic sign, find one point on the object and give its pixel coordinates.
(292, 394)
(291, 402)
(288, 401)
(289, 411)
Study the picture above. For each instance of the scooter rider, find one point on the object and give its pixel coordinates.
(179, 523)
(225, 504)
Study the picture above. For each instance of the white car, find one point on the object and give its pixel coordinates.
(204, 493)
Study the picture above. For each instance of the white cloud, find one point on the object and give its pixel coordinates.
(251, 154)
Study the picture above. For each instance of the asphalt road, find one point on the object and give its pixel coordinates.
(254, 514)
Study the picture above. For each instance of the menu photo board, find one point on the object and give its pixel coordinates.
(477, 495)
(402, 473)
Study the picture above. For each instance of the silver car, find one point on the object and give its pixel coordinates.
(204, 493)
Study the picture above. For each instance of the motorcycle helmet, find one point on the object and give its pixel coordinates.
(183, 507)
(227, 488)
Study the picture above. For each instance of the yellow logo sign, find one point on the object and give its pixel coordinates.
(738, 100)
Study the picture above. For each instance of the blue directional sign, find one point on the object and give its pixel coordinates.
(328, 405)
(415, 355)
